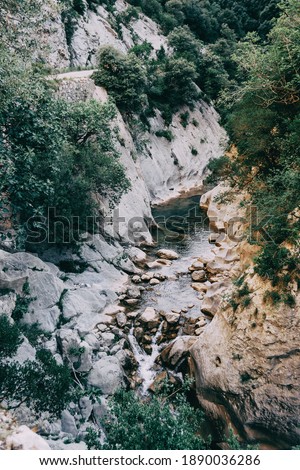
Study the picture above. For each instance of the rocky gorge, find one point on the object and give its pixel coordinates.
(127, 309)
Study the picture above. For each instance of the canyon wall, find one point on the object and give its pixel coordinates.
(246, 362)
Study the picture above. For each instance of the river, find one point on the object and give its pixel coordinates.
(183, 227)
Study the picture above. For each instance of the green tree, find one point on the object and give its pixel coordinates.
(53, 154)
(125, 78)
(179, 82)
(159, 423)
(264, 123)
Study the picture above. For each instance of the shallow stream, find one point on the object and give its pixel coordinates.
(182, 227)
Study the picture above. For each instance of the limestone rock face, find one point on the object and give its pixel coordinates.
(246, 361)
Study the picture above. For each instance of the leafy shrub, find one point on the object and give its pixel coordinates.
(184, 119)
(159, 423)
(43, 385)
(289, 300)
(273, 296)
(10, 337)
(22, 303)
(34, 333)
(194, 151)
(166, 133)
(272, 260)
(124, 77)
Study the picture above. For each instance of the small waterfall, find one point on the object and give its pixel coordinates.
(145, 361)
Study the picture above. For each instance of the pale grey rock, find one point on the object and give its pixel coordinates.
(136, 279)
(196, 266)
(121, 319)
(61, 445)
(25, 439)
(214, 296)
(131, 301)
(86, 407)
(159, 263)
(134, 292)
(76, 351)
(82, 301)
(118, 346)
(46, 289)
(93, 341)
(68, 424)
(107, 375)
(7, 303)
(137, 255)
(171, 317)
(107, 340)
(25, 352)
(47, 318)
(154, 282)
(51, 345)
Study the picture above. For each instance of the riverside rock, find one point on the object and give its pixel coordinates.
(150, 317)
(199, 276)
(167, 254)
(107, 375)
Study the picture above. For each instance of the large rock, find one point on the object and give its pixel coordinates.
(199, 276)
(25, 439)
(7, 303)
(171, 317)
(167, 254)
(45, 290)
(150, 317)
(214, 297)
(78, 352)
(107, 375)
(175, 352)
(82, 301)
(137, 255)
(68, 424)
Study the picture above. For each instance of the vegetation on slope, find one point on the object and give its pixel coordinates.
(54, 156)
(263, 120)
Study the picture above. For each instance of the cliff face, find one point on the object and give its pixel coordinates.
(157, 169)
(91, 31)
(246, 362)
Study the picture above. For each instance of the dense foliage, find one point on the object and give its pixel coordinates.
(53, 156)
(264, 122)
(162, 422)
(139, 84)
(42, 384)
(207, 17)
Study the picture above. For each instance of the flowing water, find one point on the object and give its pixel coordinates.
(183, 227)
(145, 361)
